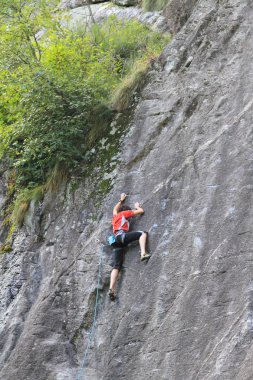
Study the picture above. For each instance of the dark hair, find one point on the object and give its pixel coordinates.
(124, 208)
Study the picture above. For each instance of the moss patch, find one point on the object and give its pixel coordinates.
(154, 5)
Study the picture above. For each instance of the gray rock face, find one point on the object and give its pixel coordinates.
(69, 4)
(187, 313)
(72, 4)
(126, 3)
(101, 12)
(177, 12)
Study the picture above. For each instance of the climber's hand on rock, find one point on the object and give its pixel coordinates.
(122, 197)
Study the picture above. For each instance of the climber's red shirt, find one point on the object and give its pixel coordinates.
(120, 222)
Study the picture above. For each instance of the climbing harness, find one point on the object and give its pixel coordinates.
(81, 373)
(112, 239)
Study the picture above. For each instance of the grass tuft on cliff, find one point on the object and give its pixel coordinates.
(124, 93)
(56, 178)
(22, 203)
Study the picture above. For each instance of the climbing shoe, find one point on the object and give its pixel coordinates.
(111, 295)
(146, 256)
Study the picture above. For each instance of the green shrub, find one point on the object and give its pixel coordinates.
(56, 90)
(52, 105)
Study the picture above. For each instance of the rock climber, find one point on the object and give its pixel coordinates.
(120, 222)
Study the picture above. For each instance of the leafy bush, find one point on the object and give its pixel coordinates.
(56, 85)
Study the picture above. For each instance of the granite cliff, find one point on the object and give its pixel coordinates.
(186, 153)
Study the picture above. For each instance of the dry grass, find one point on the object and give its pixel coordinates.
(19, 213)
(123, 96)
(22, 203)
(57, 177)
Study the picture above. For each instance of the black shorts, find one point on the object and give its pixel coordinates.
(123, 240)
(118, 258)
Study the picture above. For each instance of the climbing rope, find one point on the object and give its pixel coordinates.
(92, 331)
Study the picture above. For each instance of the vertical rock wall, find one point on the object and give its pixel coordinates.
(177, 12)
(187, 313)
